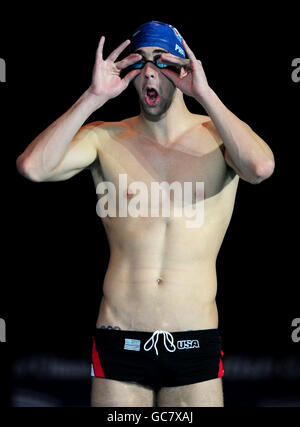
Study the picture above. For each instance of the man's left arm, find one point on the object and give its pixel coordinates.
(245, 151)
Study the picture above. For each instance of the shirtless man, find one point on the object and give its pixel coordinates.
(156, 339)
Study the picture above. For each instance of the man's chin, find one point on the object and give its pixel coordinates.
(153, 112)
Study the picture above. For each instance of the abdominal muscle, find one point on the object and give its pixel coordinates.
(158, 278)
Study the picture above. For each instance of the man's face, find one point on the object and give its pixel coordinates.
(155, 90)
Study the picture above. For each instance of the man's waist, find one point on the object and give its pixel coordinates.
(145, 273)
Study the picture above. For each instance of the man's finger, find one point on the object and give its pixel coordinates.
(130, 76)
(115, 53)
(129, 60)
(189, 52)
(171, 75)
(169, 59)
(99, 52)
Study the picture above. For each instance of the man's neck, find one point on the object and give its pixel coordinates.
(169, 126)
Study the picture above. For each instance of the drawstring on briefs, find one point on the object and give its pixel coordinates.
(167, 335)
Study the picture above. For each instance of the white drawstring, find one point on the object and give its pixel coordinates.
(166, 334)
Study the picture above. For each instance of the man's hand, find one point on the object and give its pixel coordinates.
(192, 80)
(106, 82)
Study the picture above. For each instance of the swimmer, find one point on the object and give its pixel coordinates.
(160, 285)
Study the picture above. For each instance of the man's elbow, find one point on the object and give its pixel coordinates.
(24, 169)
(262, 171)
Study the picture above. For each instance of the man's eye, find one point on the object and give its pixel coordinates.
(138, 64)
(157, 58)
(159, 63)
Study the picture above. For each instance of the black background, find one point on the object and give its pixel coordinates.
(54, 248)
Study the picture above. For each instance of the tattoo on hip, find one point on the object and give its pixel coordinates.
(110, 327)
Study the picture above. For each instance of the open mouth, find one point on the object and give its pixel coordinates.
(151, 96)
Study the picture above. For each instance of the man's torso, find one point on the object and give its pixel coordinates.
(162, 272)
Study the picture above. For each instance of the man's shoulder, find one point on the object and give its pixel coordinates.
(204, 122)
(109, 129)
(211, 128)
(116, 125)
(203, 119)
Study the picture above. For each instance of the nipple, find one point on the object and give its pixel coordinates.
(128, 194)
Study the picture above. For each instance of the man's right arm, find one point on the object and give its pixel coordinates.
(65, 147)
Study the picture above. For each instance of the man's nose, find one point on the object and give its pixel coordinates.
(149, 70)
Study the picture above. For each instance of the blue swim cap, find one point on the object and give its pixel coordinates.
(159, 34)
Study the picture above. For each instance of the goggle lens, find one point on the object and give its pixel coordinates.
(139, 65)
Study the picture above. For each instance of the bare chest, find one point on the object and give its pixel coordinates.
(138, 161)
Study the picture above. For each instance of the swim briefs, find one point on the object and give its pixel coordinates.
(158, 359)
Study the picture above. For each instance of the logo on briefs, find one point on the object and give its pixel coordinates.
(187, 344)
(131, 344)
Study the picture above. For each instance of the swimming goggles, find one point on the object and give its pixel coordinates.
(139, 65)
